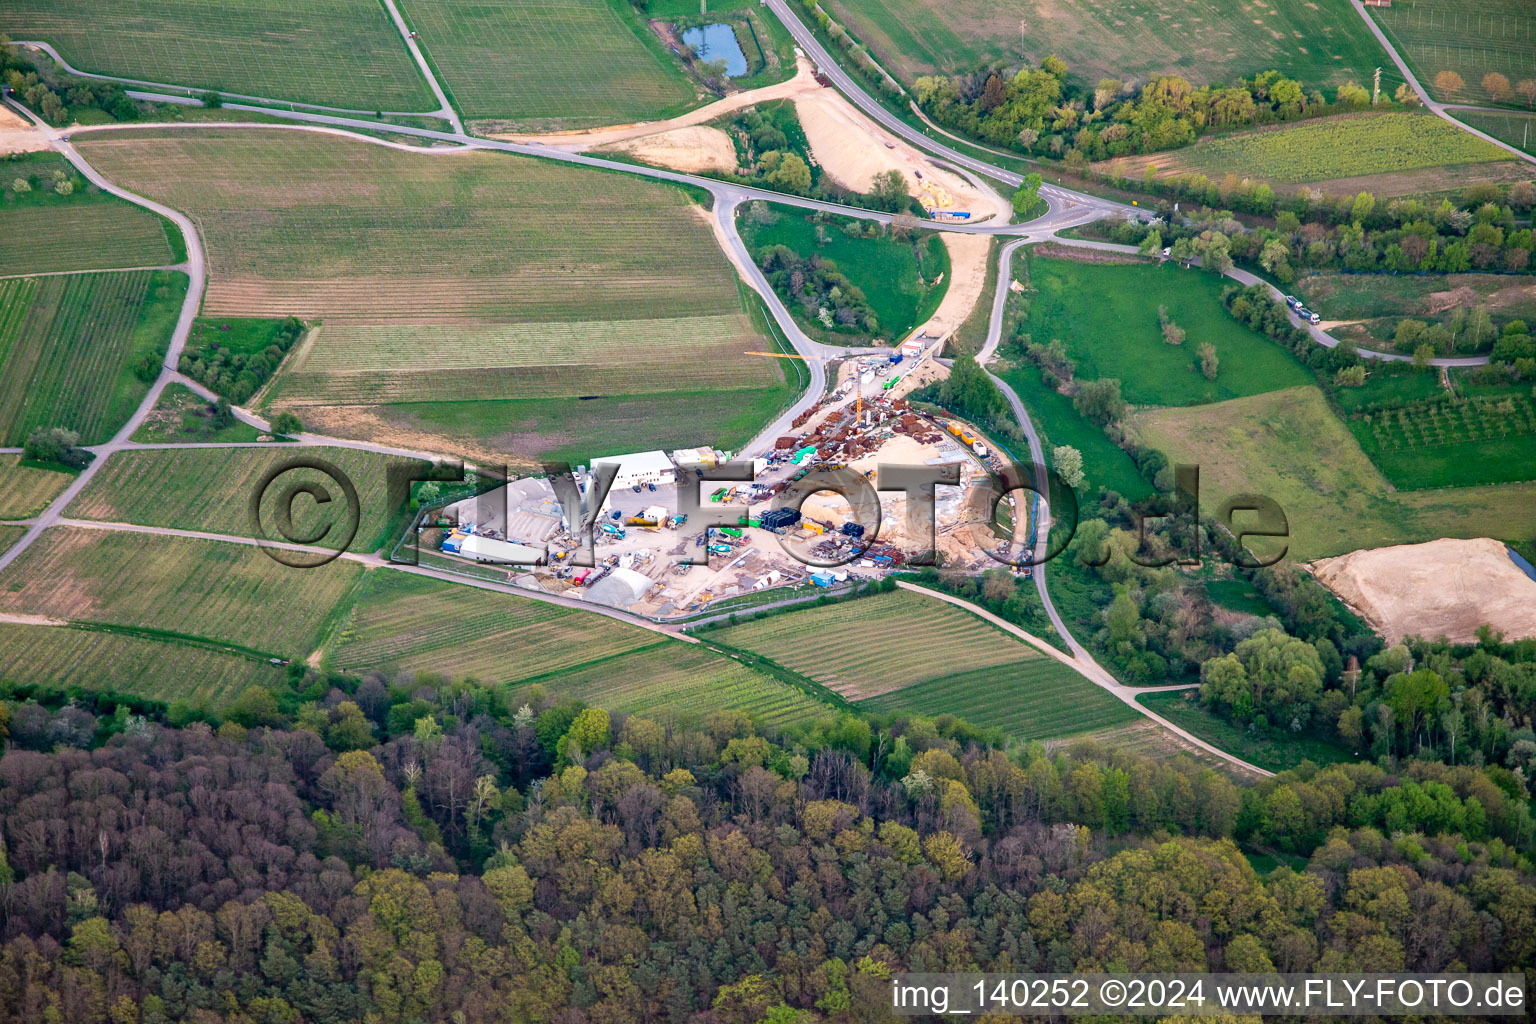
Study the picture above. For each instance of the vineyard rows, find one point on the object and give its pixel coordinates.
(62, 365)
(164, 670)
(82, 236)
(219, 591)
(210, 490)
(26, 490)
(558, 62)
(1035, 699)
(684, 684)
(337, 52)
(869, 646)
(411, 622)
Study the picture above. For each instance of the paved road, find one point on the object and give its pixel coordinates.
(1441, 110)
(196, 269)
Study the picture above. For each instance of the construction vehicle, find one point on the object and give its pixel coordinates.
(718, 494)
(729, 531)
(721, 549)
(641, 521)
(614, 530)
(677, 520)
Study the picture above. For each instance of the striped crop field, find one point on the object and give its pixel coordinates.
(445, 283)
(83, 236)
(212, 590)
(67, 343)
(9, 535)
(549, 64)
(210, 490)
(61, 657)
(669, 681)
(1034, 699)
(403, 621)
(27, 490)
(343, 53)
(867, 647)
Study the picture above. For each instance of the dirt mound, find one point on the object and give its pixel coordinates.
(18, 135)
(1439, 302)
(691, 149)
(1442, 588)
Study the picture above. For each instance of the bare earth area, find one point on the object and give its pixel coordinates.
(1443, 588)
(18, 135)
(693, 148)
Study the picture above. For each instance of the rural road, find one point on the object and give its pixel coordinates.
(1065, 208)
(1440, 110)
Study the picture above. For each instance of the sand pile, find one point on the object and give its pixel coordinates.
(18, 135)
(1442, 588)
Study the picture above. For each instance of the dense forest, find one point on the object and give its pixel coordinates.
(418, 849)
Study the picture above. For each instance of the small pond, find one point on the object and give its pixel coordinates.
(717, 42)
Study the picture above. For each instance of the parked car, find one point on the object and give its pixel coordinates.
(651, 486)
(636, 488)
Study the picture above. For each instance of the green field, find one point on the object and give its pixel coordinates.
(68, 345)
(232, 594)
(1106, 316)
(342, 53)
(1105, 464)
(1486, 439)
(549, 64)
(866, 647)
(1468, 37)
(165, 670)
(182, 416)
(103, 234)
(1289, 446)
(407, 622)
(900, 279)
(1427, 297)
(209, 490)
(1331, 148)
(1275, 754)
(9, 535)
(1237, 595)
(448, 284)
(26, 490)
(1036, 699)
(1321, 42)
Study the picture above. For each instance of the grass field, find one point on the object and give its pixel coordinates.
(549, 64)
(61, 657)
(183, 416)
(401, 621)
(1103, 315)
(1516, 128)
(68, 344)
(1105, 464)
(1426, 297)
(1469, 37)
(9, 535)
(1268, 752)
(461, 280)
(897, 277)
(210, 489)
(1289, 445)
(1321, 42)
(1036, 699)
(342, 53)
(26, 490)
(231, 594)
(1487, 439)
(1331, 148)
(98, 234)
(873, 645)
(1237, 595)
